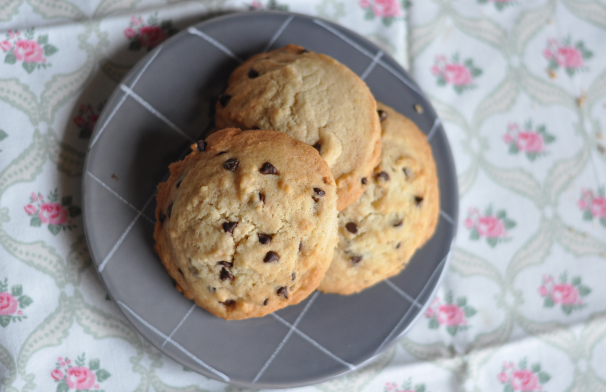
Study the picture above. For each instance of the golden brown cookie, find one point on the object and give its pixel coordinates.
(246, 223)
(315, 99)
(396, 215)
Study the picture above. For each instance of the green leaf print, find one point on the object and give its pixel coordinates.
(583, 290)
(544, 377)
(532, 156)
(62, 387)
(508, 388)
(49, 50)
(548, 302)
(29, 67)
(587, 215)
(54, 229)
(509, 224)
(94, 364)
(74, 211)
(17, 290)
(10, 58)
(493, 241)
(452, 329)
(570, 71)
(513, 148)
(575, 281)
(469, 311)
(523, 363)
(434, 323)
(501, 214)
(102, 375)
(3, 135)
(541, 129)
(66, 201)
(5, 320)
(461, 302)
(25, 301)
(441, 81)
(603, 222)
(535, 367)
(420, 388)
(567, 309)
(474, 235)
(43, 39)
(548, 138)
(35, 222)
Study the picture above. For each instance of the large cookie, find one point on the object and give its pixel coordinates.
(247, 222)
(315, 99)
(396, 215)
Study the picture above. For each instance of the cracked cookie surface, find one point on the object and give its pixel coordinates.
(315, 99)
(395, 216)
(246, 223)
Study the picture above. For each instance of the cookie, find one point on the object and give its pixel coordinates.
(246, 223)
(315, 99)
(396, 215)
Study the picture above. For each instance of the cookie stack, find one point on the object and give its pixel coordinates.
(294, 192)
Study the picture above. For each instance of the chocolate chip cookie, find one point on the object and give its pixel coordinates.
(315, 99)
(396, 215)
(247, 222)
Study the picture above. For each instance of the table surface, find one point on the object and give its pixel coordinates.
(520, 87)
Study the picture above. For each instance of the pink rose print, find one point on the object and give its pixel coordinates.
(592, 205)
(500, 5)
(58, 216)
(452, 314)
(491, 227)
(87, 119)
(388, 10)
(405, 387)
(57, 374)
(571, 57)
(148, 35)
(11, 303)
(271, 5)
(32, 53)
(452, 72)
(567, 295)
(520, 378)
(527, 139)
(80, 376)
(8, 304)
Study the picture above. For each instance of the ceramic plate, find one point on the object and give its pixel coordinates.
(158, 110)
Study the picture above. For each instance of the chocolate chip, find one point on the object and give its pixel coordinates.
(407, 172)
(315, 199)
(224, 99)
(161, 218)
(304, 51)
(229, 227)
(229, 302)
(252, 73)
(283, 291)
(300, 246)
(268, 168)
(355, 259)
(317, 146)
(170, 210)
(382, 115)
(364, 181)
(262, 197)
(383, 175)
(179, 183)
(225, 274)
(226, 264)
(201, 144)
(181, 272)
(399, 223)
(255, 128)
(231, 164)
(212, 289)
(221, 153)
(264, 238)
(265, 302)
(418, 200)
(271, 256)
(293, 276)
(319, 191)
(398, 245)
(352, 227)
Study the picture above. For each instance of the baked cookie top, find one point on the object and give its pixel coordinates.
(315, 99)
(246, 223)
(396, 215)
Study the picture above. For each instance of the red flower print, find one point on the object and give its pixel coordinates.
(598, 207)
(30, 209)
(8, 304)
(524, 380)
(57, 374)
(503, 377)
(457, 74)
(569, 57)
(80, 377)
(6, 46)
(387, 8)
(529, 142)
(450, 314)
(592, 205)
(68, 361)
(152, 36)
(490, 227)
(28, 51)
(130, 33)
(543, 291)
(565, 294)
(53, 213)
(80, 121)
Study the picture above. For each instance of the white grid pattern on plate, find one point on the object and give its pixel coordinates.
(177, 345)
(104, 185)
(283, 342)
(278, 33)
(215, 43)
(112, 114)
(434, 128)
(376, 59)
(403, 293)
(447, 217)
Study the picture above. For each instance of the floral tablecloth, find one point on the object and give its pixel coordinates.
(520, 86)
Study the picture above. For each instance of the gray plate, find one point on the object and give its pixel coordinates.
(158, 110)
